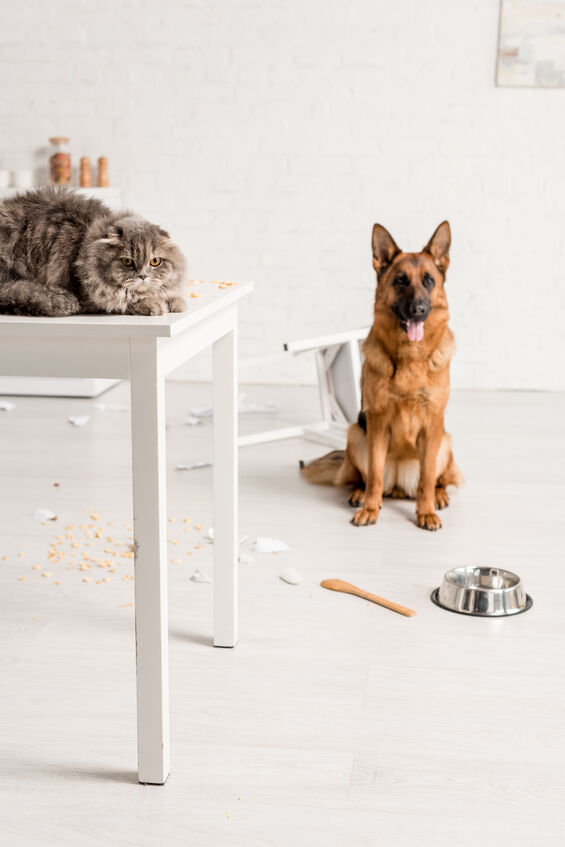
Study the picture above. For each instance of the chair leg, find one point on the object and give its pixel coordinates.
(150, 534)
(225, 489)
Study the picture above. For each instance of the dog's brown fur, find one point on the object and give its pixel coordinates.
(405, 451)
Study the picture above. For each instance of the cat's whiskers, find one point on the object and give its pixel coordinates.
(137, 289)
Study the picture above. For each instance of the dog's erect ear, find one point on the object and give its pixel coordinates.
(438, 246)
(384, 248)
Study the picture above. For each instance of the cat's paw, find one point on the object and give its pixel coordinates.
(177, 304)
(61, 303)
(151, 306)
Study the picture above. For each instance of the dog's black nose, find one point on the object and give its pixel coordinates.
(418, 309)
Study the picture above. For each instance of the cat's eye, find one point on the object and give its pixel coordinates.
(155, 262)
(127, 263)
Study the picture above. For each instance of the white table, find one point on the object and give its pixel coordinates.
(144, 350)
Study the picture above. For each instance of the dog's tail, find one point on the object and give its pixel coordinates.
(332, 469)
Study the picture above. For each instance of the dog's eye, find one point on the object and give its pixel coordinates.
(401, 279)
(428, 282)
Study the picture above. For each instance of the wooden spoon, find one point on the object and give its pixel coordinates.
(347, 588)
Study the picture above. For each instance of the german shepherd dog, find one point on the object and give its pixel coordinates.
(399, 448)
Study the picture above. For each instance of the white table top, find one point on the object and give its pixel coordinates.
(203, 299)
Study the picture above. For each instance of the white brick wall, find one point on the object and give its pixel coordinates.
(269, 136)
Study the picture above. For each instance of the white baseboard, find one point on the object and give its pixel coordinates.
(46, 386)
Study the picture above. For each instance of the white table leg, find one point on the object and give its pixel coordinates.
(225, 489)
(150, 533)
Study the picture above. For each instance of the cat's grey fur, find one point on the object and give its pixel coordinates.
(61, 253)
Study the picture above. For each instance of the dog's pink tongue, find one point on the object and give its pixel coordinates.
(415, 330)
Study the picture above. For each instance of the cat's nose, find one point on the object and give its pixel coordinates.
(143, 276)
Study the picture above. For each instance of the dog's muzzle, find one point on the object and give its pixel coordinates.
(411, 315)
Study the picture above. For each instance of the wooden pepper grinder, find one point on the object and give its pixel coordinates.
(103, 181)
(85, 174)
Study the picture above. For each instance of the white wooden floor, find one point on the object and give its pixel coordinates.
(334, 722)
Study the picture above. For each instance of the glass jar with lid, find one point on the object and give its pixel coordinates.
(60, 161)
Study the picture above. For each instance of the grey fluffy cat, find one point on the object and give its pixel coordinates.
(62, 253)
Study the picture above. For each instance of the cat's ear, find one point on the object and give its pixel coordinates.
(115, 231)
(113, 235)
(163, 232)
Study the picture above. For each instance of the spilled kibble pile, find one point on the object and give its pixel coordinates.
(96, 551)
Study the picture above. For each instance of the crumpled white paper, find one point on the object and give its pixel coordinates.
(256, 408)
(245, 558)
(44, 515)
(291, 576)
(200, 576)
(270, 545)
(79, 420)
(201, 413)
(204, 463)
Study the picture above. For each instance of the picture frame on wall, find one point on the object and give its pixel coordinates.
(531, 46)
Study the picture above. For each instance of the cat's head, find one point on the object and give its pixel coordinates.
(138, 256)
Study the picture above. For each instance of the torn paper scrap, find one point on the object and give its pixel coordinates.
(200, 576)
(187, 421)
(7, 406)
(245, 558)
(204, 463)
(44, 515)
(79, 420)
(112, 407)
(270, 545)
(201, 413)
(291, 576)
(256, 408)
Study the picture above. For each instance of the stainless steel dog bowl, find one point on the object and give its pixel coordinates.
(488, 592)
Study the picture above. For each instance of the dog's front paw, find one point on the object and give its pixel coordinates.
(151, 306)
(177, 304)
(365, 517)
(442, 498)
(428, 521)
(356, 498)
